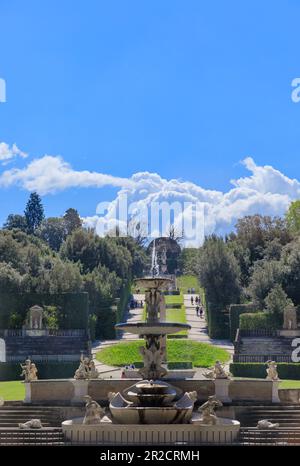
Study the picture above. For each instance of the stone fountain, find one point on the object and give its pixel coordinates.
(152, 402)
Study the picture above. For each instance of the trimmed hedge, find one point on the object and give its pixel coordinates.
(235, 310)
(257, 321)
(46, 370)
(180, 365)
(72, 308)
(217, 321)
(289, 371)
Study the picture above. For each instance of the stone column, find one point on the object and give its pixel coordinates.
(80, 390)
(222, 390)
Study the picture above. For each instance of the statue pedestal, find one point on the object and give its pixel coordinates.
(80, 390)
(289, 333)
(275, 396)
(222, 390)
(27, 398)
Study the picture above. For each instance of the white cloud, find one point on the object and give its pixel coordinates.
(266, 191)
(8, 153)
(49, 175)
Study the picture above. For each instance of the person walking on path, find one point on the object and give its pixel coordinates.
(192, 300)
(201, 312)
(197, 310)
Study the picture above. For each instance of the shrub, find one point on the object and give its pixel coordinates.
(46, 370)
(289, 371)
(235, 310)
(257, 321)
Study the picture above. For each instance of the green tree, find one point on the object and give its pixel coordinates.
(266, 275)
(219, 273)
(293, 217)
(276, 302)
(53, 231)
(11, 280)
(34, 212)
(16, 222)
(72, 220)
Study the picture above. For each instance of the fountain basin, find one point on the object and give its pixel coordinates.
(155, 328)
(158, 283)
(108, 433)
(124, 412)
(151, 393)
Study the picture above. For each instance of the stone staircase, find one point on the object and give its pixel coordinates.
(12, 415)
(43, 437)
(22, 347)
(286, 416)
(263, 348)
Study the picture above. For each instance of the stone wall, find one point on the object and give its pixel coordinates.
(70, 391)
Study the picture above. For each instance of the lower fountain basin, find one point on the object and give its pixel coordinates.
(124, 412)
(108, 433)
(155, 328)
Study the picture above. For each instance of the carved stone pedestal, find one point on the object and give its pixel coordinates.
(27, 398)
(80, 390)
(275, 396)
(222, 390)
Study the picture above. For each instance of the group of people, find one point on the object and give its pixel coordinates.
(199, 306)
(134, 303)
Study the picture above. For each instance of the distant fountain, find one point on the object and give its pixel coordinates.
(154, 263)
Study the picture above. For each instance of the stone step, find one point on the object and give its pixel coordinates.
(48, 436)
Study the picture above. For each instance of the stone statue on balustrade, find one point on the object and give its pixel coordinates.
(208, 410)
(218, 372)
(272, 373)
(86, 369)
(93, 411)
(29, 371)
(290, 318)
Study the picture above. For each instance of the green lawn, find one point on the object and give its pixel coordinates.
(289, 384)
(200, 354)
(184, 282)
(174, 299)
(11, 391)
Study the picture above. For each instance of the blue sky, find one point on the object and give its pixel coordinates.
(185, 89)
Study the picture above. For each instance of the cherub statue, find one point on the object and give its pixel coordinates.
(29, 371)
(208, 410)
(83, 370)
(218, 372)
(93, 411)
(93, 373)
(290, 318)
(272, 373)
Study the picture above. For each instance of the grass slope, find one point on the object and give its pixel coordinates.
(11, 391)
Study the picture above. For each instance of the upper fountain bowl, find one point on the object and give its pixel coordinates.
(157, 282)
